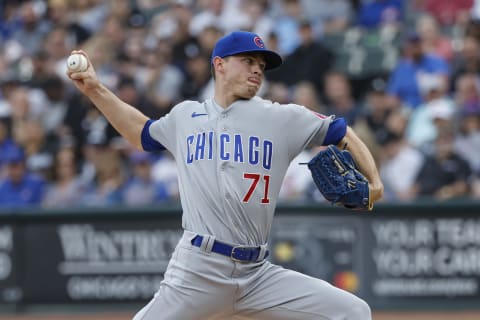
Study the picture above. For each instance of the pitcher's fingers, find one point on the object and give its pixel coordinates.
(77, 75)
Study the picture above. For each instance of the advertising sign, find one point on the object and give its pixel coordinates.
(10, 291)
(97, 261)
(424, 257)
(325, 247)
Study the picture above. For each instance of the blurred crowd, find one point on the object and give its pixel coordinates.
(418, 112)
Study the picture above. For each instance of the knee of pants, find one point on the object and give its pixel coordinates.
(360, 310)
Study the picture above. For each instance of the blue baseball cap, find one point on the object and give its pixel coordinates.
(245, 42)
(13, 154)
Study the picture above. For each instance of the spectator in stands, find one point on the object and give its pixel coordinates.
(298, 178)
(272, 42)
(19, 188)
(5, 90)
(127, 67)
(421, 130)
(221, 13)
(475, 186)
(57, 46)
(372, 123)
(197, 67)
(33, 28)
(5, 137)
(467, 60)
(287, 26)
(278, 92)
(59, 15)
(339, 99)
(305, 94)
(298, 65)
(10, 21)
(467, 142)
(433, 41)
(447, 12)
(96, 145)
(95, 128)
(403, 82)
(399, 166)
(327, 16)
(208, 37)
(397, 121)
(376, 13)
(183, 43)
(258, 21)
(42, 69)
(164, 171)
(22, 102)
(130, 93)
(444, 174)
(66, 189)
(109, 181)
(89, 15)
(53, 117)
(467, 91)
(133, 47)
(141, 189)
(31, 135)
(163, 80)
(77, 122)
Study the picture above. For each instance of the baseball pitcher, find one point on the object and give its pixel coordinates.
(232, 152)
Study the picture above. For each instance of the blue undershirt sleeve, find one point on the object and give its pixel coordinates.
(148, 143)
(336, 132)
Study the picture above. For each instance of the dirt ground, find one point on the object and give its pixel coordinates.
(376, 316)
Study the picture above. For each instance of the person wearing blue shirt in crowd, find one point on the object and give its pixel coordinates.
(373, 14)
(19, 188)
(6, 142)
(403, 82)
(141, 189)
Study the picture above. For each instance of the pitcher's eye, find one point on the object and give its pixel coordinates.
(248, 60)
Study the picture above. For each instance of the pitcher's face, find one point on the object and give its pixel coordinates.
(243, 74)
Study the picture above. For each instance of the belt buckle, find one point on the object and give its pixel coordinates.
(241, 249)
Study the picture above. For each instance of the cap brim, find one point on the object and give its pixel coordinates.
(272, 59)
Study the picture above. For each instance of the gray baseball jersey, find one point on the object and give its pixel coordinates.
(231, 162)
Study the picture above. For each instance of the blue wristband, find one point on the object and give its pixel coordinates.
(336, 132)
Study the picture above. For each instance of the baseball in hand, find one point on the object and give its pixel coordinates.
(77, 62)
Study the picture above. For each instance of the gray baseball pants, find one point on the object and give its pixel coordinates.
(201, 285)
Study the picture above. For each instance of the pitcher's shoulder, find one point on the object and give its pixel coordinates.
(187, 106)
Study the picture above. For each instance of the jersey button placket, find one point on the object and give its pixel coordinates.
(224, 117)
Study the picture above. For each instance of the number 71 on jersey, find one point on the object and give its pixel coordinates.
(256, 177)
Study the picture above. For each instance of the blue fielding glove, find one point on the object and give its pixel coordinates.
(336, 176)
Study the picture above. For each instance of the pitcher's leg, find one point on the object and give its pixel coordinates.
(170, 304)
(197, 285)
(280, 294)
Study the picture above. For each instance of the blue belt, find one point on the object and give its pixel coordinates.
(236, 253)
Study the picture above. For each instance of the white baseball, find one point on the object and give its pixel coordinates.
(77, 62)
